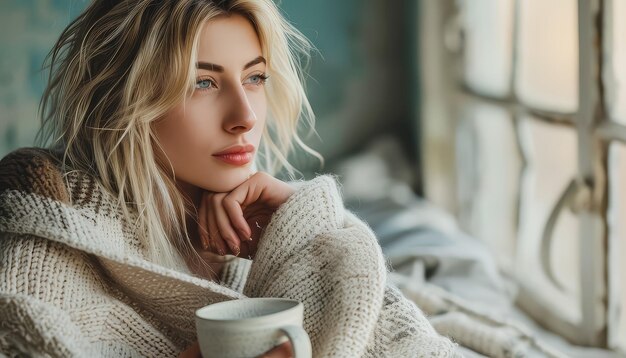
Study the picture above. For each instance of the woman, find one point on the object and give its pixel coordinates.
(158, 112)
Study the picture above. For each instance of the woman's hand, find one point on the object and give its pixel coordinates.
(281, 351)
(233, 222)
(192, 352)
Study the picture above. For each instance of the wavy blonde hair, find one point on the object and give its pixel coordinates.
(106, 87)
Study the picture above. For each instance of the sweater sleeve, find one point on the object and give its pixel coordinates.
(315, 208)
(307, 253)
(235, 273)
(52, 303)
(315, 251)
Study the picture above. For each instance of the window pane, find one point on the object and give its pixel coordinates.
(551, 153)
(488, 26)
(618, 107)
(616, 218)
(548, 55)
(492, 213)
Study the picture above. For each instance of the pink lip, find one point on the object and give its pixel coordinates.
(237, 154)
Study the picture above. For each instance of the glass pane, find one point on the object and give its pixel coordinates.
(618, 107)
(616, 218)
(548, 55)
(488, 26)
(550, 168)
(492, 214)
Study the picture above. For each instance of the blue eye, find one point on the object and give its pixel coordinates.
(205, 84)
(258, 79)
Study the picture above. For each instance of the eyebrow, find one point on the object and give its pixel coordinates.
(217, 68)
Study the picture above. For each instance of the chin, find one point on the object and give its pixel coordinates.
(226, 183)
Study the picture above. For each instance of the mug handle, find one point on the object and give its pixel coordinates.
(299, 341)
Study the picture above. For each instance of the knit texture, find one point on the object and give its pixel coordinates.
(480, 331)
(75, 279)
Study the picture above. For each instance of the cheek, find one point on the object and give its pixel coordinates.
(169, 136)
(181, 131)
(259, 106)
(165, 133)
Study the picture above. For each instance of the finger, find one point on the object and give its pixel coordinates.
(281, 351)
(203, 228)
(226, 230)
(191, 352)
(233, 204)
(235, 214)
(214, 231)
(273, 192)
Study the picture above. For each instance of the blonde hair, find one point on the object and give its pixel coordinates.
(106, 88)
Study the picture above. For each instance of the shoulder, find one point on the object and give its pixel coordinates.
(39, 197)
(316, 202)
(33, 170)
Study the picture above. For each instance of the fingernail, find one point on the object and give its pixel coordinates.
(250, 239)
(236, 251)
(205, 245)
(221, 251)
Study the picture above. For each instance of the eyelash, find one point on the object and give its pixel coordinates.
(262, 80)
(211, 82)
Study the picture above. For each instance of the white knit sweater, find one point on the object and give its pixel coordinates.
(75, 281)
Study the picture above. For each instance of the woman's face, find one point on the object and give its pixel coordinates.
(225, 113)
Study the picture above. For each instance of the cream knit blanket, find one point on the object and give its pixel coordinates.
(74, 279)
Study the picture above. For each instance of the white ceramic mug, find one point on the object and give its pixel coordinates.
(249, 327)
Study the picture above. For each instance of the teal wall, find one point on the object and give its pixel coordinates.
(365, 80)
(332, 26)
(28, 29)
(361, 81)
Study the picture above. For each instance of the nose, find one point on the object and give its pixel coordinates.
(240, 117)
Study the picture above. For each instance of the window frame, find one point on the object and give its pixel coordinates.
(444, 92)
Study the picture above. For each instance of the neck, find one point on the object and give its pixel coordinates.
(191, 192)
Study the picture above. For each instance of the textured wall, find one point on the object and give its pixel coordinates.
(28, 29)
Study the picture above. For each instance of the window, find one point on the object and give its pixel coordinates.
(530, 97)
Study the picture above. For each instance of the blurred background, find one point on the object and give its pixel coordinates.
(493, 129)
